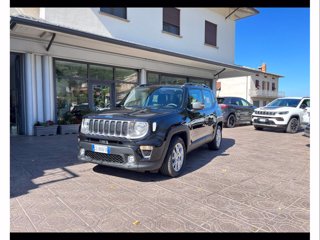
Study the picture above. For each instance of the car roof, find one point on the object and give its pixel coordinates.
(293, 98)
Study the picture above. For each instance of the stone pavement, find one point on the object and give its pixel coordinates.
(257, 182)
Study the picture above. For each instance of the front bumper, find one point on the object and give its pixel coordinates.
(263, 121)
(118, 156)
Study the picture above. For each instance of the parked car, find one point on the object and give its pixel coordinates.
(152, 129)
(235, 110)
(283, 113)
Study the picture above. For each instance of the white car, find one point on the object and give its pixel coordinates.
(287, 113)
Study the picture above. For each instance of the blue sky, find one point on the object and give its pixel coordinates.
(279, 37)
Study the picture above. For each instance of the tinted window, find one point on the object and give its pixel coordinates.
(208, 99)
(195, 95)
(305, 103)
(236, 101)
(220, 100)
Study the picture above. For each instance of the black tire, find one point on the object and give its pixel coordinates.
(231, 121)
(258, 128)
(293, 125)
(167, 167)
(216, 142)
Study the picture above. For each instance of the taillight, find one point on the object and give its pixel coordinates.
(223, 106)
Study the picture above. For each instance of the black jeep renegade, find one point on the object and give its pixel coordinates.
(152, 129)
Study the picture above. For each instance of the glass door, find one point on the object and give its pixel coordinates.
(100, 96)
(15, 94)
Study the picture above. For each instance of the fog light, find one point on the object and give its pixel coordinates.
(146, 151)
(82, 151)
(130, 159)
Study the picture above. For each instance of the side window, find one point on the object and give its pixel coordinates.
(305, 103)
(236, 101)
(195, 95)
(245, 103)
(208, 99)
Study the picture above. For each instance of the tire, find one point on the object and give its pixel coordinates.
(216, 142)
(231, 121)
(170, 166)
(293, 125)
(258, 128)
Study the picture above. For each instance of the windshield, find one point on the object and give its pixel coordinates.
(284, 102)
(162, 97)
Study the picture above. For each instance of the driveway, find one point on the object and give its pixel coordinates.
(258, 181)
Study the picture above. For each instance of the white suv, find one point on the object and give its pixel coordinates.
(286, 113)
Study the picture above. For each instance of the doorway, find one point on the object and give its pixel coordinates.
(16, 111)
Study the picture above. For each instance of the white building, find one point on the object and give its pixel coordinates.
(68, 58)
(259, 88)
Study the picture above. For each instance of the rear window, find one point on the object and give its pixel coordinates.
(220, 100)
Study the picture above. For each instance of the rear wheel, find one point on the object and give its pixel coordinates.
(258, 128)
(216, 142)
(293, 125)
(175, 158)
(231, 121)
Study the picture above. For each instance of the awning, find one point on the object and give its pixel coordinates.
(48, 32)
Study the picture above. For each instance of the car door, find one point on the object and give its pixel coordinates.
(236, 105)
(196, 122)
(305, 111)
(247, 109)
(209, 111)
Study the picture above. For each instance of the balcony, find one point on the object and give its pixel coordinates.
(266, 93)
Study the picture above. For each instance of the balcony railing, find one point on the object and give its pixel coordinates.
(266, 93)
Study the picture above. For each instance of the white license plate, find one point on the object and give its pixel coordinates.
(262, 120)
(100, 148)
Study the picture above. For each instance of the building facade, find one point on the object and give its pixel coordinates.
(64, 60)
(259, 88)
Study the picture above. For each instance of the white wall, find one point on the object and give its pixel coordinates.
(144, 26)
(234, 87)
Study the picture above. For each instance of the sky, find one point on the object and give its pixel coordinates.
(279, 37)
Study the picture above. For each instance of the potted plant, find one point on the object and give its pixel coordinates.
(69, 124)
(46, 128)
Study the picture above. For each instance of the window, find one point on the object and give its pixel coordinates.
(210, 33)
(263, 85)
(257, 84)
(208, 100)
(172, 80)
(256, 103)
(244, 102)
(125, 80)
(195, 95)
(273, 86)
(98, 72)
(264, 103)
(236, 101)
(200, 81)
(268, 86)
(153, 78)
(171, 20)
(305, 103)
(119, 12)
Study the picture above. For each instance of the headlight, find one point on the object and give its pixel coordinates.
(138, 129)
(283, 113)
(85, 126)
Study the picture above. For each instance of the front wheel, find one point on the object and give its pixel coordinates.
(175, 158)
(216, 142)
(258, 128)
(293, 125)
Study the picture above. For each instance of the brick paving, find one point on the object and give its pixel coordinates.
(258, 182)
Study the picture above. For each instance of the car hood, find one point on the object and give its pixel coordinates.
(143, 114)
(273, 109)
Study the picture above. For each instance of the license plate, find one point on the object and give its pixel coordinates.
(262, 120)
(100, 148)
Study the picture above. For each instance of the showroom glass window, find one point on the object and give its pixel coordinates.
(125, 80)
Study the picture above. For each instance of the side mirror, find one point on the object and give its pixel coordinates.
(197, 106)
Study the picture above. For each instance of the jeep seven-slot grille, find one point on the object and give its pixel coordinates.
(114, 158)
(265, 113)
(108, 127)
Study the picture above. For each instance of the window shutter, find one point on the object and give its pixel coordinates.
(171, 16)
(210, 33)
